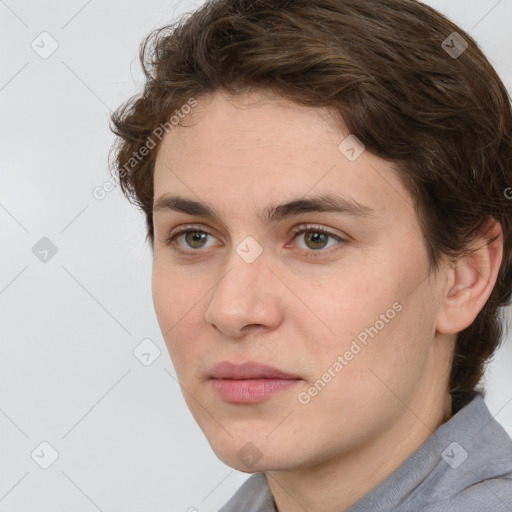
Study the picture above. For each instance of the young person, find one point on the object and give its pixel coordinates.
(326, 186)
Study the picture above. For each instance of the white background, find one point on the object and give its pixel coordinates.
(68, 327)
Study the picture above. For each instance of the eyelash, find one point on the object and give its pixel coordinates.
(296, 232)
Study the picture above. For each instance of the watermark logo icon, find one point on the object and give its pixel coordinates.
(249, 249)
(351, 148)
(44, 455)
(455, 45)
(147, 352)
(249, 454)
(454, 455)
(44, 45)
(44, 250)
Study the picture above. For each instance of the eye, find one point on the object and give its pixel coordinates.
(193, 238)
(316, 238)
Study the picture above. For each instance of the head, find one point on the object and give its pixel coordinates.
(256, 120)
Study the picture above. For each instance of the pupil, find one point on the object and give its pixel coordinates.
(194, 237)
(317, 238)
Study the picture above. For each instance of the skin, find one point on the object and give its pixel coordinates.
(299, 313)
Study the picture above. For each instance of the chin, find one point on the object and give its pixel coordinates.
(254, 456)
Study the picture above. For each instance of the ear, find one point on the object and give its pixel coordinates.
(471, 280)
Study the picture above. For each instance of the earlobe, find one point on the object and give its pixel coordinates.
(471, 281)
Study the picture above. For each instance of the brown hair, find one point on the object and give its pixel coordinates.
(384, 66)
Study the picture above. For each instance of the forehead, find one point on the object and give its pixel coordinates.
(235, 124)
(256, 149)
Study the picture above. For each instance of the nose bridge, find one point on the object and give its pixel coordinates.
(246, 273)
(244, 294)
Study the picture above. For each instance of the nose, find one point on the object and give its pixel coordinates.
(245, 298)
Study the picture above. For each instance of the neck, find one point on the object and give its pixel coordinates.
(336, 484)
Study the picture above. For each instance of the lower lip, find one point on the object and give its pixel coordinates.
(250, 390)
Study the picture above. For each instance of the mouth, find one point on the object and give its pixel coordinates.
(250, 382)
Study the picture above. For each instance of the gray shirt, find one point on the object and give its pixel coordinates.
(464, 466)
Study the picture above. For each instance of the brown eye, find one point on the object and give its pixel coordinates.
(195, 239)
(316, 239)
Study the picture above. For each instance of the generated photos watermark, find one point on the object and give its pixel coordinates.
(100, 192)
(304, 397)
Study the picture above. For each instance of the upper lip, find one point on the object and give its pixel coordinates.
(248, 370)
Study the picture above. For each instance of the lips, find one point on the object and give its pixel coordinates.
(250, 382)
(249, 370)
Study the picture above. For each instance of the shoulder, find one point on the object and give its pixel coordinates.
(493, 494)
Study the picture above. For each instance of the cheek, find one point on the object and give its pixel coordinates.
(364, 378)
(341, 306)
(167, 284)
(366, 317)
(179, 301)
(386, 349)
(176, 299)
(163, 293)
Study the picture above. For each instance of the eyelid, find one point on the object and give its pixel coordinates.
(317, 227)
(183, 228)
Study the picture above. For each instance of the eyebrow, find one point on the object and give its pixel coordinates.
(273, 213)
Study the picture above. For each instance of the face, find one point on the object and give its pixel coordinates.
(333, 289)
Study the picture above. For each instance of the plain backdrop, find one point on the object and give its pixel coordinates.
(75, 295)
